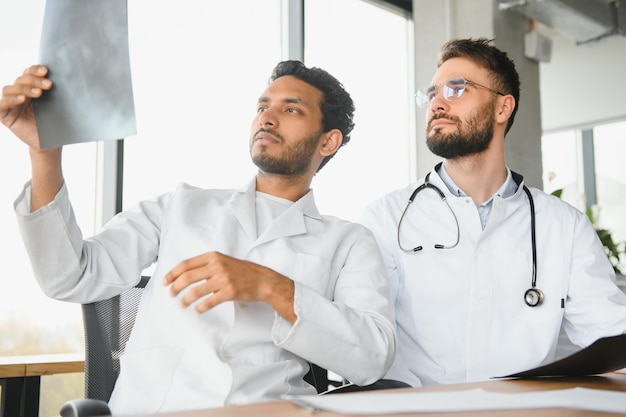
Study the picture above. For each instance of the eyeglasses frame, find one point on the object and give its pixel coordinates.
(436, 86)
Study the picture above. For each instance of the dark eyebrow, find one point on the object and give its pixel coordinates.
(295, 101)
(288, 100)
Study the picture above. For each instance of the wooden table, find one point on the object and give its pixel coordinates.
(20, 379)
(613, 381)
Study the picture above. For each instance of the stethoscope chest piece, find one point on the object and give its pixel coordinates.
(533, 297)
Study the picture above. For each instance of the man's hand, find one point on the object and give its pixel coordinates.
(16, 113)
(221, 278)
(16, 110)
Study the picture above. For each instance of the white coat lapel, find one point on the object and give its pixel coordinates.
(243, 206)
(292, 221)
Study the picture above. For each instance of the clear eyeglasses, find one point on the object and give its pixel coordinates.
(452, 90)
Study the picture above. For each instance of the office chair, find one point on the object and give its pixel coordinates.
(107, 327)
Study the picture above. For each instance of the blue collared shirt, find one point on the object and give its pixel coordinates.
(484, 210)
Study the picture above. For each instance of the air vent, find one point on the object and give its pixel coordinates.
(582, 20)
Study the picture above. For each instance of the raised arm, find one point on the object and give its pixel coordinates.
(16, 113)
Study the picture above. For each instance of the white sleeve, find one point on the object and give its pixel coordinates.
(357, 327)
(596, 306)
(69, 268)
(384, 231)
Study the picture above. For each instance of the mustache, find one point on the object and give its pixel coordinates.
(438, 116)
(270, 131)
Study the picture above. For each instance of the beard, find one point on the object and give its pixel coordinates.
(295, 158)
(470, 138)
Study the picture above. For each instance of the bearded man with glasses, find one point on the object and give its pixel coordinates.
(484, 270)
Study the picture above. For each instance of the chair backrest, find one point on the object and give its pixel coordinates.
(107, 327)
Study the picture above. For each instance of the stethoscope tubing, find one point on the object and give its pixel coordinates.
(428, 184)
(533, 296)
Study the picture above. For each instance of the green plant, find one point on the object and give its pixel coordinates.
(614, 250)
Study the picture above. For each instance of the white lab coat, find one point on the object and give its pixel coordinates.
(237, 352)
(460, 312)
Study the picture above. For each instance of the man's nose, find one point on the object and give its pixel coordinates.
(438, 103)
(267, 118)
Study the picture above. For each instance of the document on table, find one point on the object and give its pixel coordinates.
(372, 403)
(84, 44)
(607, 354)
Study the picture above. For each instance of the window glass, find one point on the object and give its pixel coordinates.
(560, 159)
(562, 167)
(370, 56)
(29, 321)
(609, 149)
(198, 69)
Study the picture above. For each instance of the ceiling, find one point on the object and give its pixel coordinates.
(582, 20)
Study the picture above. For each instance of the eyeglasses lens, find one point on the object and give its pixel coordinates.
(452, 90)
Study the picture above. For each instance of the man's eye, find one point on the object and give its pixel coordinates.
(260, 109)
(292, 110)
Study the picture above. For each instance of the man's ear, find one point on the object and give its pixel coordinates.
(505, 108)
(331, 141)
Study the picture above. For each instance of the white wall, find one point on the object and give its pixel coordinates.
(583, 84)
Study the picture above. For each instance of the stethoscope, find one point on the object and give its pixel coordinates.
(533, 296)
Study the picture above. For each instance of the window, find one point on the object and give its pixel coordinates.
(198, 70)
(560, 165)
(609, 142)
(31, 322)
(586, 164)
(202, 132)
(374, 66)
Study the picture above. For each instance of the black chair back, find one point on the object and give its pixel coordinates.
(107, 327)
